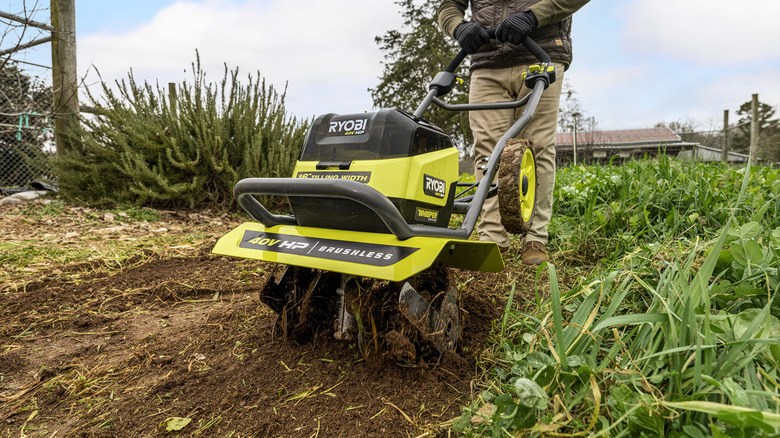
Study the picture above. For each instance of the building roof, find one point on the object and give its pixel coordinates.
(620, 137)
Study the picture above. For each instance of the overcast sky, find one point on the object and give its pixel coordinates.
(637, 62)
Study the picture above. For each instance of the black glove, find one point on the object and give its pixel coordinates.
(471, 36)
(515, 27)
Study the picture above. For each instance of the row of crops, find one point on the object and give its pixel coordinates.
(672, 328)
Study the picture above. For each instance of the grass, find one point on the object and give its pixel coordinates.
(42, 237)
(57, 208)
(675, 330)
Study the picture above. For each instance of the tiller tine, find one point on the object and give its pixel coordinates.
(441, 327)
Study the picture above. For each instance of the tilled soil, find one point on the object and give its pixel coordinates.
(182, 342)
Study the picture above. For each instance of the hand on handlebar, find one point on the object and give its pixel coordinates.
(471, 36)
(516, 27)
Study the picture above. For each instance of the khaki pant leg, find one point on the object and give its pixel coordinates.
(541, 131)
(501, 85)
(490, 85)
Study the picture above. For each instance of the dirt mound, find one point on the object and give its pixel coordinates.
(154, 332)
(122, 352)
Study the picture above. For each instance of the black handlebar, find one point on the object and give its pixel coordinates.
(443, 81)
(529, 44)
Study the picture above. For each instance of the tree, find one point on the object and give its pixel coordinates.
(20, 30)
(692, 131)
(569, 107)
(768, 129)
(572, 118)
(413, 57)
(570, 112)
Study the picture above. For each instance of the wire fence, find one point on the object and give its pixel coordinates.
(26, 125)
(26, 131)
(26, 128)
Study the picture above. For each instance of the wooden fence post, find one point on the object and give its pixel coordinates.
(64, 74)
(754, 122)
(725, 149)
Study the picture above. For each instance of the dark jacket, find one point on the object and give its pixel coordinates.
(553, 33)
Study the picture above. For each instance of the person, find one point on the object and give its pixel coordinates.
(496, 69)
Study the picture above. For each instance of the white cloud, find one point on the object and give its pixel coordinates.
(594, 79)
(716, 32)
(645, 100)
(611, 93)
(324, 49)
(742, 85)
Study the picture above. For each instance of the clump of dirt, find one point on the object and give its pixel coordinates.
(399, 347)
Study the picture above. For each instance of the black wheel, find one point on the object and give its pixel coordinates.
(517, 186)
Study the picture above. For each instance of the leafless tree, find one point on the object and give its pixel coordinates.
(20, 31)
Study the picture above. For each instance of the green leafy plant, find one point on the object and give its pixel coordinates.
(186, 150)
(676, 334)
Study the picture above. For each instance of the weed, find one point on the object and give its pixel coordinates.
(677, 332)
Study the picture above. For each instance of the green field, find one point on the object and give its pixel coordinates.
(672, 327)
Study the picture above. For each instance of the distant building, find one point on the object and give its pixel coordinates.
(627, 144)
(706, 153)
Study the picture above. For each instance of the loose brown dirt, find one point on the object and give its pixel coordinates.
(175, 337)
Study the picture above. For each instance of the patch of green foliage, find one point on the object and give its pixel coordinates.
(54, 208)
(676, 333)
(132, 213)
(152, 147)
(19, 255)
(607, 211)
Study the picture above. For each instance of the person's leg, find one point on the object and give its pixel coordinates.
(541, 131)
(490, 85)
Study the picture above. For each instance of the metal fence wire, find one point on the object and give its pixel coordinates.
(26, 130)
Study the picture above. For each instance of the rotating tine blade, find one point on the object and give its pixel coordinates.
(442, 327)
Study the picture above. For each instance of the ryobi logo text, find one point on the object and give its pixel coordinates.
(348, 127)
(434, 186)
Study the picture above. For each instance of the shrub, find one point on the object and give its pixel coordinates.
(187, 150)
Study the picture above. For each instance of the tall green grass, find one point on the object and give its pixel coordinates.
(675, 333)
(613, 209)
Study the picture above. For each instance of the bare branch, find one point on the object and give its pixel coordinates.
(26, 21)
(26, 25)
(33, 43)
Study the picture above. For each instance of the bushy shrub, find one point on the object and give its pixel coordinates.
(148, 146)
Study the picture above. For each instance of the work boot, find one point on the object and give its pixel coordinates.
(534, 253)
